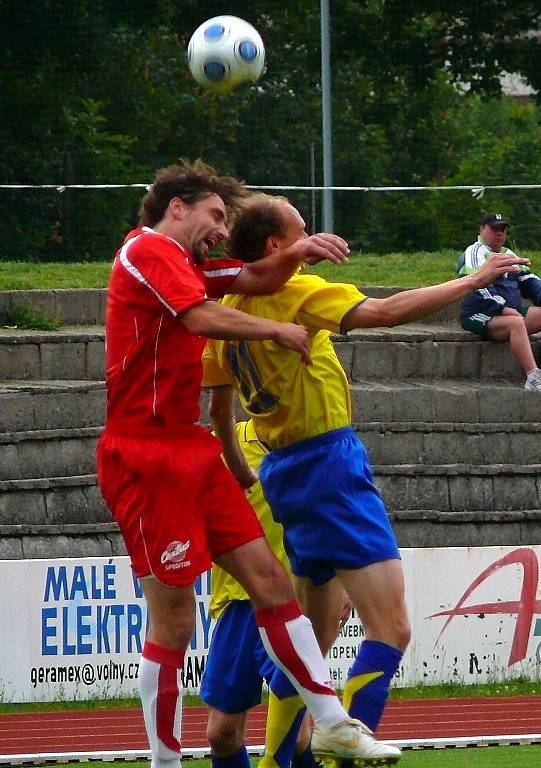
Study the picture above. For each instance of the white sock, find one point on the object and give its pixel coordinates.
(533, 374)
(289, 640)
(160, 688)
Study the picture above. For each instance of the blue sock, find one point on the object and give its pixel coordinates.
(367, 687)
(238, 759)
(305, 759)
(284, 717)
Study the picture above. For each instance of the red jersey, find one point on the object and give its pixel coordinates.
(153, 361)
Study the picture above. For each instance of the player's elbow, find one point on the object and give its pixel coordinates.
(388, 314)
(198, 319)
(373, 313)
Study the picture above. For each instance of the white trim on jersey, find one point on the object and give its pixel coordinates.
(224, 272)
(481, 317)
(132, 269)
(155, 377)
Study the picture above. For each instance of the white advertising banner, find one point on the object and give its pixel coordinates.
(74, 628)
(474, 614)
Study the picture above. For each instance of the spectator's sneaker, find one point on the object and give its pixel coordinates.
(351, 739)
(533, 382)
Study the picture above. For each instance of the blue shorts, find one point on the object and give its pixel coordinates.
(237, 662)
(321, 491)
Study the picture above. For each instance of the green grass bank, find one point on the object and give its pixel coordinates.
(404, 270)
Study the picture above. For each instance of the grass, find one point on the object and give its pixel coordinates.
(25, 275)
(523, 756)
(405, 270)
(520, 686)
(517, 687)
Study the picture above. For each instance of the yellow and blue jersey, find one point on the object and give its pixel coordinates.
(287, 400)
(225, 588)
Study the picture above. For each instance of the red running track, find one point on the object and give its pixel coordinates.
(121, 729)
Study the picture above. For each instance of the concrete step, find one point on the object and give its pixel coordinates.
(451, 443)
(431, 351)
(444, 351)
(49, 453)
(413, 528)
(432, 528)
(63, 452)
(448, 488)
(70, 306)
(456, 488)
(71, 353)
(23, 541)
(78, 306)
(71, 499)
(44, 405)
(443, 400)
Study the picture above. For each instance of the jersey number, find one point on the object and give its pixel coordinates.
(243, 368)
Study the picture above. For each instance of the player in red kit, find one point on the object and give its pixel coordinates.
(161, 474)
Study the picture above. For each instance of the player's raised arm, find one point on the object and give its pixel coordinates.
(408, 306)
(218, 322)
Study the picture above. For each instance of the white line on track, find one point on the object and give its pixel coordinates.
(144, 754)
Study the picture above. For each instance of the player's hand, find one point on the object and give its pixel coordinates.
(347, 607)
(316, 248)
(295, 337)
(496, 266)
(247, 479)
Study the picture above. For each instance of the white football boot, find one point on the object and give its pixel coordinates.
(353, 740)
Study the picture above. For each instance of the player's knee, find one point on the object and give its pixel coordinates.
(224, 737)
(403, 633)
(392, 628)
(272, 585)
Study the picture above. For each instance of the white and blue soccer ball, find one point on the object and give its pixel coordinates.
(226, 53)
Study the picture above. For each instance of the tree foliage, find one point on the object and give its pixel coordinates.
(96, 91)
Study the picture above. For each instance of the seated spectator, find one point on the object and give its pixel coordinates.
(497, 311)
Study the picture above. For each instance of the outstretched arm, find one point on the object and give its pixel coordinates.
(269, 274)
(208, 318)
(222, 418)
(408, 306)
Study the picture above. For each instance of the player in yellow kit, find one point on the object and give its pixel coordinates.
(237, 662)
(317, 478)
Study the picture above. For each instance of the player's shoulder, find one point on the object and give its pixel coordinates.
(146, 241)
(304, 281)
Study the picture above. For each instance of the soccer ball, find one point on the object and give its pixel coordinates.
(226, 53)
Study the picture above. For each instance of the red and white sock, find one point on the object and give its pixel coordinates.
(289, 640)
(160, 688)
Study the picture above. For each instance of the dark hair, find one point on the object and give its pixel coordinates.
(190, 182)
(260, 218)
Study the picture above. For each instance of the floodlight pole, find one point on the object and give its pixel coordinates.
(326, 115)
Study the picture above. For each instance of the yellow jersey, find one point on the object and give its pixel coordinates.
(287, 400)
(224, 588)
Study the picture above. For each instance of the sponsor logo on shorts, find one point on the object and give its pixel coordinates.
(174, 555)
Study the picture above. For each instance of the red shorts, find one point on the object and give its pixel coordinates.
(177, 504)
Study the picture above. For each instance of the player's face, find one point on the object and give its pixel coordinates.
(494, 237)
(294, 226)
(205, 226)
